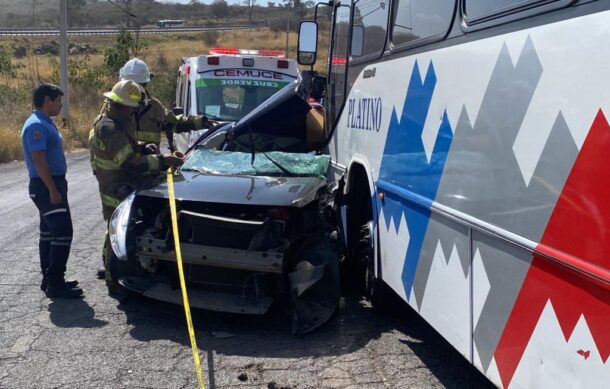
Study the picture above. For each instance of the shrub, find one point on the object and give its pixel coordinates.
(210, 38)
(163, 84)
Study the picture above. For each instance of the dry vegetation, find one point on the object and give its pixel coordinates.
(162, 53)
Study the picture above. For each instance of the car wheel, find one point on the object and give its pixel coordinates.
(111, 263)
(117, 269)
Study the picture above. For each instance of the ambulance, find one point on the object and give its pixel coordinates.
(228, 83)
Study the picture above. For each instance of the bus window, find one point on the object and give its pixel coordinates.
(478, 9)
(370, 25)
(338, 61)
(420, 19)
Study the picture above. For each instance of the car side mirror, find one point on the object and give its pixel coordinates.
(308, 43)
(178, 111)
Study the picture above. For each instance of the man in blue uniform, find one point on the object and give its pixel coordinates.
(43, 150)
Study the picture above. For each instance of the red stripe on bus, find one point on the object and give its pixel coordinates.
(578, 228)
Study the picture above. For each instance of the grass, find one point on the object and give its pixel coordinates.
(162, 53)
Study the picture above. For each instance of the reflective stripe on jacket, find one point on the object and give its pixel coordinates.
(117, 162)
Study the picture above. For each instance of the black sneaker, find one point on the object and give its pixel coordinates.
(69, 284)
(101, 273)
(63, 292)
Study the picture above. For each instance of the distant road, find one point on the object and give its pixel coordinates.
(112, 31)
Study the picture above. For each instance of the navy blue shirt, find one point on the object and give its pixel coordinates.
(40, 134)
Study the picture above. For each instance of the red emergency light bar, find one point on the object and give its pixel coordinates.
(223, 50)
(272, 53)
(233, 51)
(338, 61)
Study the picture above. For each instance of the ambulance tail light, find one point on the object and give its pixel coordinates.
(213, 60)
(187, 70)
(282, 64)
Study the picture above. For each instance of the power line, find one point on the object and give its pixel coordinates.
(122, 9)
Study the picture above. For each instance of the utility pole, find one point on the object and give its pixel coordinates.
(63, 59)
(288, 4)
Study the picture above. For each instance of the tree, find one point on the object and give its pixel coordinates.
(125, 48)
(300, 9)
(250, 4)
(220, 8)
(126, 6)
(7, 68)
(74, 11)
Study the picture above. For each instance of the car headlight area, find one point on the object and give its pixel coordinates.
(117, 227)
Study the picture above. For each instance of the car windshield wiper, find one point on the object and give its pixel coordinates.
(210, 116)
(254, 151)
(191, 169)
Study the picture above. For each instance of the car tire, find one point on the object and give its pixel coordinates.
(112, 267)
(117, 269)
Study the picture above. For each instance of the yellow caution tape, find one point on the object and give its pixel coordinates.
(185, 299)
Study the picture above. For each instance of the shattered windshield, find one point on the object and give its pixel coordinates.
(239, 163)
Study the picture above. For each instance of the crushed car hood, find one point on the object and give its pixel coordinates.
(251, 190)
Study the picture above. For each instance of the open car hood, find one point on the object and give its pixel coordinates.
(250, 190)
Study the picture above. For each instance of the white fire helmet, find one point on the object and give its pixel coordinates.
(135, 70)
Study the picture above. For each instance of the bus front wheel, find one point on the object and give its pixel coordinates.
(375, 288)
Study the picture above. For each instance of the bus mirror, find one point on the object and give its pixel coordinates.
(308, 43)
(177, 111)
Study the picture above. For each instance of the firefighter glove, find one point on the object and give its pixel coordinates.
(172, 160)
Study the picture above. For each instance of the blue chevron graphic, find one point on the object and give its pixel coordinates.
(406, 167)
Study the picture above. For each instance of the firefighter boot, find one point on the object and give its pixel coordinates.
(69, 284)
(59, 289)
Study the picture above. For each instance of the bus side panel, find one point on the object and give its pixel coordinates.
(498, 270)
(558, 332)
(446, 301)
(497, 129)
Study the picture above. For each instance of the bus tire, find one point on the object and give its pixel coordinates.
(375, 288)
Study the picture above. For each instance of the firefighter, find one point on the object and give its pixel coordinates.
(119, 163)
(153, 119)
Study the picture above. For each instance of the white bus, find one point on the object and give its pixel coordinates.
(472, 140)
(170, 23)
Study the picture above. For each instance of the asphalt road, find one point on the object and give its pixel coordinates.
(99, 342)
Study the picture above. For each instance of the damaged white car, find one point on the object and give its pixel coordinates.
(255, 221)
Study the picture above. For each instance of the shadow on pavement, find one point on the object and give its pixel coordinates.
(73, 313)
(451, 368)
(351, 328)
(267, 336)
